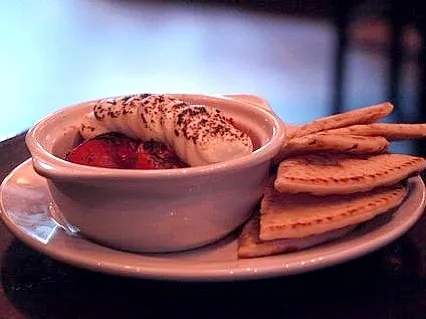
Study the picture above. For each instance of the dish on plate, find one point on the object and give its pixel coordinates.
(183, 208)
(319, 192)
(25, 204)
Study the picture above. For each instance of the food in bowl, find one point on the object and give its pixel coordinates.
(155, 210)
(157, 125)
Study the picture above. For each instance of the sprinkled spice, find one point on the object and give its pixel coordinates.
(149, 116)
(114, 108)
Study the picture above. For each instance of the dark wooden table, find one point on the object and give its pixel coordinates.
(390, 283)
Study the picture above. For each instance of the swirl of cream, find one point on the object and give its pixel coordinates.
(199, 134)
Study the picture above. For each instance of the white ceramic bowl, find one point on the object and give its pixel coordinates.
(156, 210)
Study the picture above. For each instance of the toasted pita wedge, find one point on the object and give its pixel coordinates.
(301, 215)
(364, 115)
(390, 131)
(250, 245)
(322, 142)
(325, 174)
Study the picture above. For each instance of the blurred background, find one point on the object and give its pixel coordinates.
(306, 58)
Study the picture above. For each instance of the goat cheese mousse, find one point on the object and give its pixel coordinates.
(150, 131)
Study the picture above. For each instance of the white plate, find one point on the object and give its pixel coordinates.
(24, 203)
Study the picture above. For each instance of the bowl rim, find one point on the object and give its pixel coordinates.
(54, 167)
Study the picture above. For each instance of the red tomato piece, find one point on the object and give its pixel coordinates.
(158, 155)
(111, 150)
(145, 161)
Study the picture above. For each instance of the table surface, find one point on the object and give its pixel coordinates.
(389, 283)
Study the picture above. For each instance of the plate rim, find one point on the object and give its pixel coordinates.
(254, 268)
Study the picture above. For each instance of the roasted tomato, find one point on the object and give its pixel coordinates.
(156, 155)
(114, 150)
(110, 150)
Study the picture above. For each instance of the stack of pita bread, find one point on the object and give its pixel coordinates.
(332, 174)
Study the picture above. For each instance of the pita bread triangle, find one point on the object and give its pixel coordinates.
(250, 245)
(301, 215)
(327, 174)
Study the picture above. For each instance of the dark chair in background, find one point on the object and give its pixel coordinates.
(397, 15)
